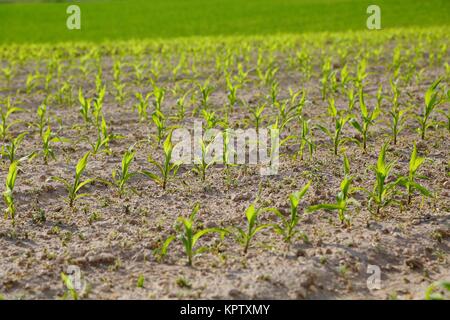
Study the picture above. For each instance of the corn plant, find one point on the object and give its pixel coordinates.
(257, 115)
(231, 93)
(361, 73)
(159, 95)
(439, 290)
(367, 119)
(73, 187)
(383, 191)
(181, 107)
(410, 181)
(287, 227)
(97, 111)
(159, 120)
(211, 119)
(244, 236)
(324, 80)
(274, 91)
(85, 109)
(431, 101)
(447, 114)
(120, 94)
(8, 196)
(201, 161)
(351, 99)
(285, 114)
(121, 178)
(5, 114)
(117, 71)
(343, 198)
(306, 139)
(48, 137)
(166, 169)
(228, 154)
(189, 236)
(298, 106)
(397, 122)
(9, 151)
(30, 83)
(8, 74)
(71, 291)
(205, 93)
(335, 135)
(42, 118)
(142, 105)
(100, 144)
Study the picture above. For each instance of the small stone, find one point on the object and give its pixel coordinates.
(235, 293)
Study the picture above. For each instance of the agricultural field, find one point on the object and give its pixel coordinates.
(90, 177)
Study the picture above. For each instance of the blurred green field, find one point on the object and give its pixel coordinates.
(136, 19)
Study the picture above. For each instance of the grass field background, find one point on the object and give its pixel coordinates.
(45, 21)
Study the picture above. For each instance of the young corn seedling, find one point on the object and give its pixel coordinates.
(383, 191)
(159, 95)
(368, 118)
(447, 114)
(335, 136)
(257, 115)
(85, 109)
(231, 93)
(228, 154)
(159, 120)
(351, 99)
(397, 115)
(274, 91)
(30, 83)
(397, 122)
(287, 227)
(120, 95)
(410, 181)
(142, 105)
(9, 151)
(8, 74)
(244, 236)
(5, 125)
(205, 92)
(201, 161)
(97, 111)
(343, 198)
(70, 288)
(298, 106)
(101, 144)
(189, 236)
(211, 119)
(47, 139)
(285, 114)
(181, 107)
(306, 139)
(431, 101)
(8, 196)
(324, 80)
(42, 118)
(74, 187)
(166, 169)
(121, 178)
(361, 73)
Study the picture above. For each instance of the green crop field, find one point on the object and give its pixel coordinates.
(45, 21)
(235, 149)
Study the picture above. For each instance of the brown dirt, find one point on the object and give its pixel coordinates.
(112, 238)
